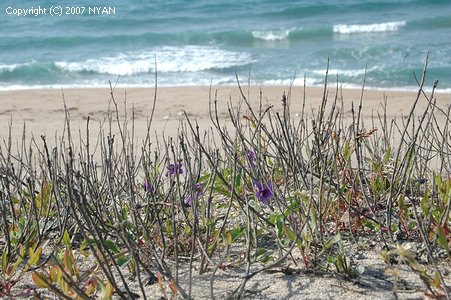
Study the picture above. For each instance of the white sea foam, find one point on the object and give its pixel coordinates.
(272, 35)
(13, 67)
(349, 73)
(224, 82)
(364, 28)
(132, 82)
(8, 67)
(288, 82)
(444, 91)
(84, 84)
(119, 65)
(169, 59)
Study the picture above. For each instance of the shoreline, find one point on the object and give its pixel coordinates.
(426, 88)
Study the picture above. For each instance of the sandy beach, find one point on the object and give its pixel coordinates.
(42, 111)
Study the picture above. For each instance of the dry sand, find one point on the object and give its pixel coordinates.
(42, 112)
(288, 281)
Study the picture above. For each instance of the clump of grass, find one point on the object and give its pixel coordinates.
(268, 193)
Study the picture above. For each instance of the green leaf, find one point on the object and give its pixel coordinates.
(187, 230)
(17, 263)
(292, 207)
(19, 260)
(288, 232)
(260, 252)
(122, 261)
(442, 239)
(330, 242)
(425, 203)
(331, 259)
(66, 238)
(234, 234)
(402, 204)
(4, 262)
(340, 246)
(339, 263)
(333, 240)
(83, 245)
(343, 188)
(212, 224)
(109, 290)
(270, 162)
(124, 213)
(64, 285)
(279, 226)
(34, 258)
(111, 246)
(238, 178)
(314, 221)
(39, 281)
(267, 259)
(387, 156)
(224, 205)
(222, 191)
(284, 242)
(53, 274)
(37, 200)
(368, 224)
(68, 261)
(274, 218)
(204, 178)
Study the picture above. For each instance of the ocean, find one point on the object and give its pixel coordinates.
(87, 43)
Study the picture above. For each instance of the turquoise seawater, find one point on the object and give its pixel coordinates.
(206, 41)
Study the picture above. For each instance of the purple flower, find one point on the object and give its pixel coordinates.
(148, 187)
(174, 169)
(264, 194)
(250, 159)
(251, 155)
(188, 201)
(198, 188)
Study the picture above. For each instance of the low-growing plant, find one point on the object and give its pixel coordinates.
(434, 287)
(64, 277)
(268, 192)
(11, 274)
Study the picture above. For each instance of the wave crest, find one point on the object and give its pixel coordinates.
(169, 59)
(343, 72)
(272, 35)
(366, 28)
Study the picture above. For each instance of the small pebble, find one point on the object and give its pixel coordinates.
(359, 256)
(442, 254)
